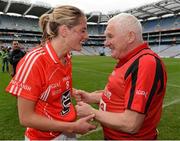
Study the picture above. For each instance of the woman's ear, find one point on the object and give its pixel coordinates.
(63, 30)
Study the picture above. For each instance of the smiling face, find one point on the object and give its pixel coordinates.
(116, 40)
(77, 35)
(123, 34)
(65, 27)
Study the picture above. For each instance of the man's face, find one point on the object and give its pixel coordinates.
(15, 45)
(116, 40)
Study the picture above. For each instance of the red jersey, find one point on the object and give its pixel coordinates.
(137, 83)
(42, 78)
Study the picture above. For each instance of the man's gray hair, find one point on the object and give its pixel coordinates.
(127, 22)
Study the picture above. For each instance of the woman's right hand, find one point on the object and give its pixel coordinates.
(82, 126)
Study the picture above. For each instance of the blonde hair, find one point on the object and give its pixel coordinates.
(62, 15)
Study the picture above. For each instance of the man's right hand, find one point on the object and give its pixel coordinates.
(81, 95)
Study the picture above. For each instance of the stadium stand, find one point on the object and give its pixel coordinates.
(160, 20)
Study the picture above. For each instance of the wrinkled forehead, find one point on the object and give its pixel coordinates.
(112, 26)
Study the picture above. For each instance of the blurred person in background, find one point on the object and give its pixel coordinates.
(4, 56)
(130, 106)
(15, 56)
(43, 82)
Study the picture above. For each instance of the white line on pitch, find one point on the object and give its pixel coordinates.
(173, 85)
(171, 103)
(164, 106)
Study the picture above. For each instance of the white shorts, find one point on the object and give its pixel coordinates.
(63, 136)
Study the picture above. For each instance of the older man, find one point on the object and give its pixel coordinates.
(131, 103)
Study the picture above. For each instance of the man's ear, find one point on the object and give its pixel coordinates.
(63, 30)
(131, 37)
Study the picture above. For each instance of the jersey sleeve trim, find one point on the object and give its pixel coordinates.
(159, 77)
(133, 70)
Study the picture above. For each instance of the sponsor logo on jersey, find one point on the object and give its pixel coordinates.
(141, 92)
(66, 101)
(66, 78)
(21, 85)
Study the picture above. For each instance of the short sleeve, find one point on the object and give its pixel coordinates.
(139, 83)
(27, 82)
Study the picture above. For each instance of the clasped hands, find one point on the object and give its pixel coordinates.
(83, 108)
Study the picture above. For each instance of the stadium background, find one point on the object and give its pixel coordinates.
(161, 29)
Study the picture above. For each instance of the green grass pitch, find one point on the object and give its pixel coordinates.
(90, 73)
